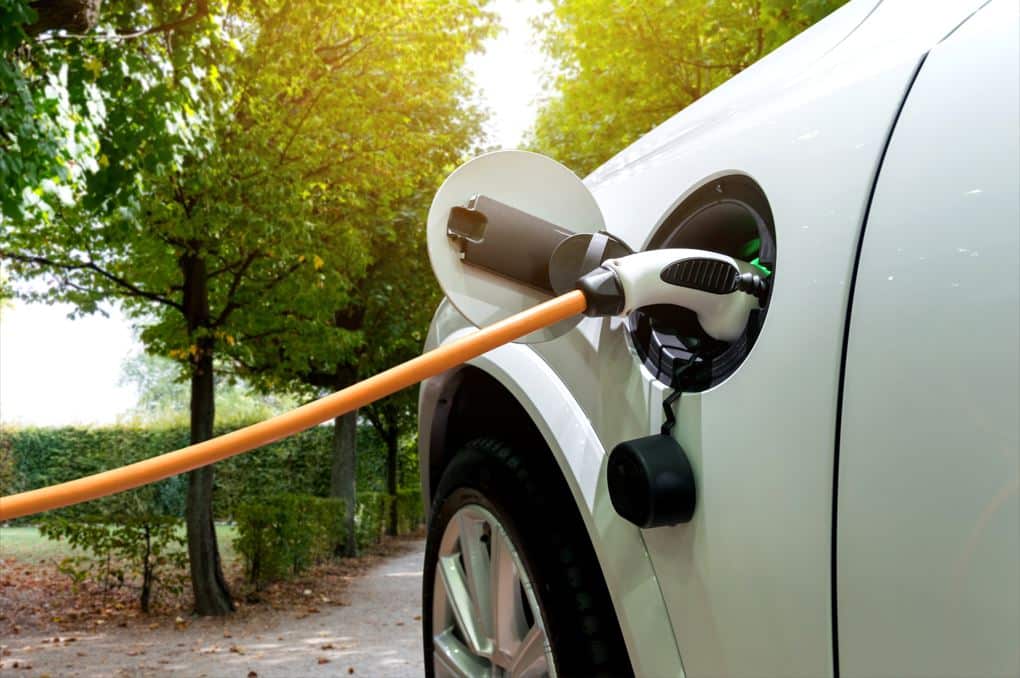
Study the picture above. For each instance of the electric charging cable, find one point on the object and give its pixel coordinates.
(716, 287)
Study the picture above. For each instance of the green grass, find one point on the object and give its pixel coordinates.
(26, 544)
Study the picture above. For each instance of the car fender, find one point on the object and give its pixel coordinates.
(619, 546)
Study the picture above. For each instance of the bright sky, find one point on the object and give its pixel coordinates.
(56, 371)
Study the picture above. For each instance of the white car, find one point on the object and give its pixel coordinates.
(854, 450)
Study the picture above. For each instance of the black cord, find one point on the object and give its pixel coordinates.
(667, 404)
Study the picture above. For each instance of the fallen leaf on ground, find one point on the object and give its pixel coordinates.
(327, 646)
(323, 660)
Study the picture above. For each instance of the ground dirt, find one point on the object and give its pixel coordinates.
(359, 617)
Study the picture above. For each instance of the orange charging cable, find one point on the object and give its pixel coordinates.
(246, 439)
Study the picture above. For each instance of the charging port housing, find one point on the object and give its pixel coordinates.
(730, 216)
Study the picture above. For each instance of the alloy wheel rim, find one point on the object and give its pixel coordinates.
(485, 617)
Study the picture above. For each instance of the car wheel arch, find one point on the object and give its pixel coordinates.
(513, 390)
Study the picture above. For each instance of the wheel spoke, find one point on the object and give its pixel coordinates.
(531, 661)
(460, 602)
(476, 567)
(508, 621)
(453, 659)
(486, 615)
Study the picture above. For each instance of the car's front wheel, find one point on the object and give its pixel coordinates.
(511, 585)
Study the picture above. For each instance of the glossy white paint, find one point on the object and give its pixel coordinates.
(929, 515)
(748, 582)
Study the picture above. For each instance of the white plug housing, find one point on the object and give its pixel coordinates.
(649, 278)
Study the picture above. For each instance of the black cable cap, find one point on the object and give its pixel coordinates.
(651, 482)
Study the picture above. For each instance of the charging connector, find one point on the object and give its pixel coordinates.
(720, 290)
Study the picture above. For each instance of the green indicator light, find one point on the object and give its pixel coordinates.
(750, 248)
(761, 267)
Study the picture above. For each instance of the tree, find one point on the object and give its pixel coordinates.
(397, 314)
(625, 67)
(239, 185)
(99, 132)
(393, 106)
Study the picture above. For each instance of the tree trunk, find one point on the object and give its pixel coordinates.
(212, 597)
(344, 474)
(147, 572)
(392, 449)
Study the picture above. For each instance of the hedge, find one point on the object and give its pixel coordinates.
(36, 457)
(283, 534)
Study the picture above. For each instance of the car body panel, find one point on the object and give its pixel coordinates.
(747, 583)
(928, 518)
(564, 426)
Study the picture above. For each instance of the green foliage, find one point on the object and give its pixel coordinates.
(625, 67)
(8, 471)
(232, 176)
(370, 517)
(45, 456)
(37, 457)
(130, 537)
(283, 534)
(122, 546)
(100, 113)
(410, 510)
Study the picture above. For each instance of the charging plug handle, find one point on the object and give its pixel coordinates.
(720, 290)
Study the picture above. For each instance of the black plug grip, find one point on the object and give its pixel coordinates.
(603, 291)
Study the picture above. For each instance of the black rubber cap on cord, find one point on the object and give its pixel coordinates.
(651, 482)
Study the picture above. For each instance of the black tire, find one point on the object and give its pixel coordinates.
(538, 513)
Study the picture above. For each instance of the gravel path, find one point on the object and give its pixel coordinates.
(377, 634)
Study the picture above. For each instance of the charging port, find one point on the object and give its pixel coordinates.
(730, 216)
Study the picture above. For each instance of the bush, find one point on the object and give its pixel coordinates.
(129, 537)
(370, 518)
(410, 510)
(36, 457)
(8, 471)
(285, 533)
(282, 534)
(143, 546)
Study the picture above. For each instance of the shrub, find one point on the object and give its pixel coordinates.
(36, 457)
(8, 471)
(145, 546)
(129, 537)
(370, 518)
(283, 534)
(410, 510)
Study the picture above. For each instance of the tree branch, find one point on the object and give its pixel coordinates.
(201, 11)
(129, 288)
(230, 305)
